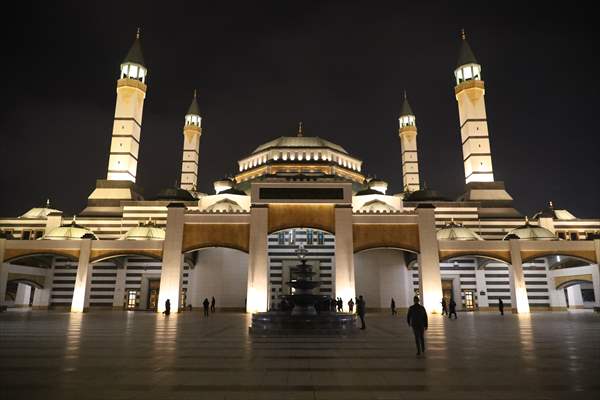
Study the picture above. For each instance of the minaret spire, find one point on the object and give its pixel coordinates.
(408, 143)
(470, 91)
(192, 130)
(127, 126)
(463, 35)
(300, 131)
(138, 34)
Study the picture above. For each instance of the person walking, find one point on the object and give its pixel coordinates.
(351, 305)
(452, 309)
(212, 304)
(360, 310)
(340, 304)
(205, 304)
(444, 307)
(501, 306)
(417, 320)
(393, 306)
(167, 307)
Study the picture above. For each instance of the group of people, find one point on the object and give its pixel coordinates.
(205, 304)
(452, 305)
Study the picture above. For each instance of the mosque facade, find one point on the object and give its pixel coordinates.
(129, 252)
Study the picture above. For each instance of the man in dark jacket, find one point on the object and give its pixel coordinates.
(167, 307)
(452, 309)
(417, 320)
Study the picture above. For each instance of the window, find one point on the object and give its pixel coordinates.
(561, 235)
(281, 238)
(131, 299)
(26, 235)
(39, 234)
(574, 236)
(320, 238)
(309, 236)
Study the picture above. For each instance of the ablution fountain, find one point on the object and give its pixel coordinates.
(302, 311)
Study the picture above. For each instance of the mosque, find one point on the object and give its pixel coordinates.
(129, 252)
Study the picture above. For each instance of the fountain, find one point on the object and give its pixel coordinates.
(302, 311)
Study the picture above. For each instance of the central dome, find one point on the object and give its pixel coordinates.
(299, 141)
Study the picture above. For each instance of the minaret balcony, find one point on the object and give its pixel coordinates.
(132, 83)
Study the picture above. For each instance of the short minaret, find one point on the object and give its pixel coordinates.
(470, 91)
(192, 130)
(127, 126)
(408, 142)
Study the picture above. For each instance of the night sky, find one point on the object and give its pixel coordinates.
(340, 67)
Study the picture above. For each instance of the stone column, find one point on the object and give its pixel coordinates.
(482, 299)
(575, 296)
(596, 277)
(83, 279)
(518, 291)
(430, 279)
(119, 293)
(23, 295)
(3, 273)
(257, 294)
(344, 256)
(41, 297)
(172, 262)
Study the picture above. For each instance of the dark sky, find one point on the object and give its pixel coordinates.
(340, 67)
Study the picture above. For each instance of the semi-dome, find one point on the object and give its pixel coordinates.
(175, 194)
(145, 231)
(225, 205)
(425, 195)
(40, 212)
(530, 232)
(456, 231)
(72, 231)
(299, 141)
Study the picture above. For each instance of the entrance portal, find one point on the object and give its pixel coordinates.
(153, 290)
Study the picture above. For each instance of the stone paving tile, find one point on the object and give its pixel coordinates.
(123, 355)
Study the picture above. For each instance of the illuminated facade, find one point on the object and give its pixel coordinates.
(124, 251)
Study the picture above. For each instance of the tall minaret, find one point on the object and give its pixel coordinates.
(408, 142)
(470, 91)
(192, 130)
(127, 126)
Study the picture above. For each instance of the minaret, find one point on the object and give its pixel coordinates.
(408, 142)
(470, 91)
(127, 126)
(191, 144)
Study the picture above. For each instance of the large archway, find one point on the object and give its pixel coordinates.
(382, 274)
(219, 272)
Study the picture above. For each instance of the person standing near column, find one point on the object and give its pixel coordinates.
(393, 306)
(417, 320)
(351, 305)
(167, 307)
(360, 310)
(212, 304)
(501, 306)
(205, 304)
(444, 306)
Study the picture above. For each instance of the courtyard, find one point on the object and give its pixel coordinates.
(138, 355)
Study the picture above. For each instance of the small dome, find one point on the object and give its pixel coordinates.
(378, 185)
(69, 232)
(454, 231)
(222, 185)
(530, 232)
(145, 231)
(300, 141)
(40, 212)
(225, 205)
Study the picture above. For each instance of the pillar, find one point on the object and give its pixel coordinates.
(172, 265)
(430, 279)
(558, 302)
(41, 296)
(83, 279)
(344, 255)
(257, 294)
(575, 297)
(518, 290)
(3, 274)
(119, 293)
(482, 296)
(23, 295)
(596, 276)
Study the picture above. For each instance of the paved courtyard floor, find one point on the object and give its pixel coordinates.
(138, 355)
